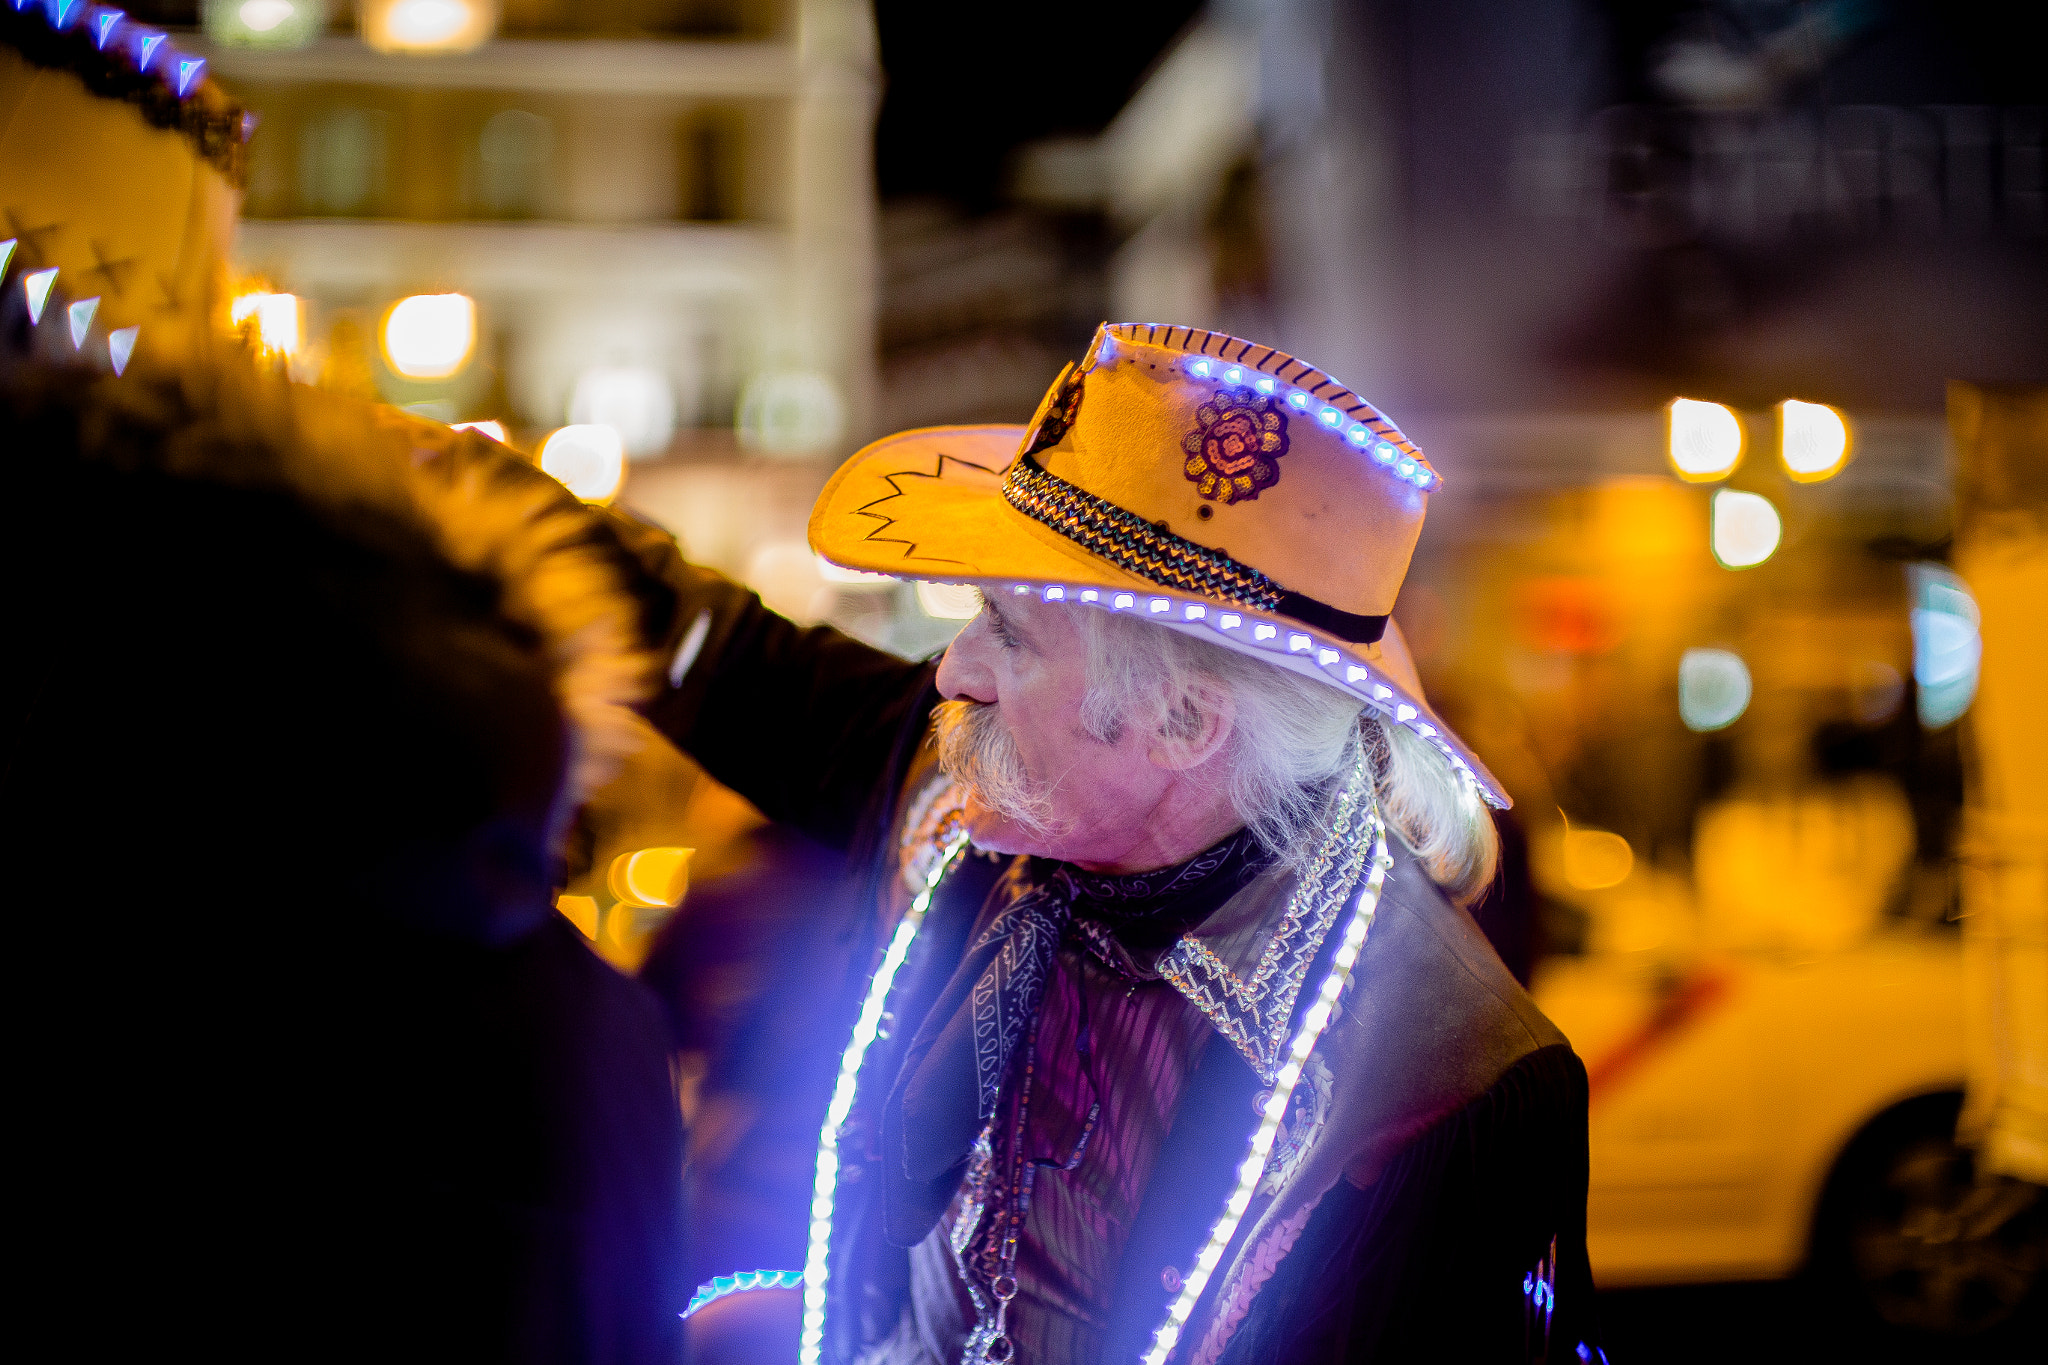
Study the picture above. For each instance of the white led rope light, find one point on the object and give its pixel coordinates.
(725, 1286)
(1253, 1168)
(1344, 672)
(825, 1186)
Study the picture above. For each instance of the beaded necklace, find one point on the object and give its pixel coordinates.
(989, 1343)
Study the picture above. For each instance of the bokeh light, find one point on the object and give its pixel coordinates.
(263, 23)
(653, 877)
(277, 320)
(1948, 644)
(1746, 529)
(430, 336)
(1595, 859)
(589, 461)
(264, 15)
(852, 578)
(580, 911)
(1713, 689)
(428, 25)
(1813, 440)
(1706, 440)
(948, 601)
(494, 430)
(791, 413)
(634, 401)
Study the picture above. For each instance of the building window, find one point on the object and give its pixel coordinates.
(713, 172)
(515, 153)
(343, 163)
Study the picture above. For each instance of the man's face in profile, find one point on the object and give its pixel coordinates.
(1011, 730)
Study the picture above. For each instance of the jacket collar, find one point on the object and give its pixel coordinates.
(1243, 967)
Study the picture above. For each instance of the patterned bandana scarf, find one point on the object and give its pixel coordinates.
(953, 1073)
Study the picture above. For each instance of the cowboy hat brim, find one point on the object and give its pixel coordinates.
(928, 504)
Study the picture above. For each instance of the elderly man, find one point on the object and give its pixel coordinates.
(1179, 1044)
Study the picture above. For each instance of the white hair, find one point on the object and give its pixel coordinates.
(1292, 739)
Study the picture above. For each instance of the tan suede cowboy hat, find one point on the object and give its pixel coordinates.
(1210, 484)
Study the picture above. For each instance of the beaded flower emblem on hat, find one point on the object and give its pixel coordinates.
(1235, 448)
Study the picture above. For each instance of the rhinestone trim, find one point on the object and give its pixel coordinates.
(1130, 542)
(1254, 1015)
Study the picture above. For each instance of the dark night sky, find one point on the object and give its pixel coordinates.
(969, 82)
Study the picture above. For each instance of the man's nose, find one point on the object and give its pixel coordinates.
(964, 674)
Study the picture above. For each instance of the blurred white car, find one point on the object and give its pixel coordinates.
(1778, 1093)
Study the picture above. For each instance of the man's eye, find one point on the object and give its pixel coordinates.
(1001, 630)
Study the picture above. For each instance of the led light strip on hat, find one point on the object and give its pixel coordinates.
(825, 1186)
(1344, 672)
(1253, 1168)
(1403, 464)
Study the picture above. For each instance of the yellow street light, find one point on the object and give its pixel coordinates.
(429, 336)
(428, 25)
(1813, 440)
(1706, 440)
(277, 319)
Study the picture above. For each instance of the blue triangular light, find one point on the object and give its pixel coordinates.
(81, 320)
(106, 21)
(189, 70)
(6, 253)
(145, 49)
(121, 345)
(60, 13)
(36, 289)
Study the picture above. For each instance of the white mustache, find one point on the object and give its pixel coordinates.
(978, 750)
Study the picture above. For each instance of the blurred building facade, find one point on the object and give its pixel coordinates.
(1525, 230)
(656, 204)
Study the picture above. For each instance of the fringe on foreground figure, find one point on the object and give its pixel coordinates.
(304, 696)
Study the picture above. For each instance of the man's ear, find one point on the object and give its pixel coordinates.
(1197, 726)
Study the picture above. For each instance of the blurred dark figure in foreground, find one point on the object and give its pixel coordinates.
(306, 1065)
(764, 1063)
